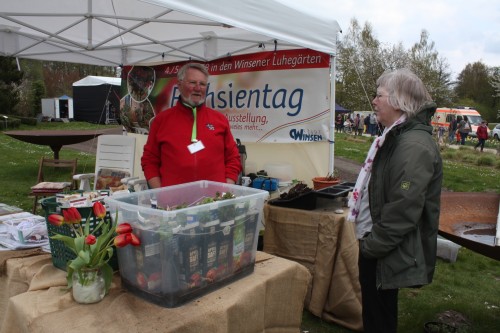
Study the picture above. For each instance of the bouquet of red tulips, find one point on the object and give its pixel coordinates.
(92, 251)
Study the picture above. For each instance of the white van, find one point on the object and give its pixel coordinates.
(443, 117)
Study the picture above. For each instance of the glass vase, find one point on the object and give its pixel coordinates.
(88, 285)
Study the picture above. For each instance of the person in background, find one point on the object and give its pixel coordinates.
(348, 125)
(360, 125)
(356, 124)
(395, 203)
(482, 135)
(440, 134)
(457, 132)
(367, 124)
(338, 123)
(342, 122)
(452, 128)
(373, 125)
(464, 128)
(190, 141)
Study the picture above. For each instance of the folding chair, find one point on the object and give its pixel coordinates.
(52, 174)
(114, 163)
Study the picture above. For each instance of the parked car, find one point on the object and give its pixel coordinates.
(495, 132)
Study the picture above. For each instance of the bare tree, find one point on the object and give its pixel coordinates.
(361, 59)
(359, 65)
(434, 71)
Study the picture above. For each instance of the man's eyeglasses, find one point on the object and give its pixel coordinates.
(193, 84)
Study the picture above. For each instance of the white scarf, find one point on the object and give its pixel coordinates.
(365, 172)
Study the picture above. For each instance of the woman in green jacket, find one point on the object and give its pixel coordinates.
(396, 200)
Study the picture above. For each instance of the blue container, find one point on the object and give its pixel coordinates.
(268, 184)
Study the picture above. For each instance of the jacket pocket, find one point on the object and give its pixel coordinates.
(402, 258)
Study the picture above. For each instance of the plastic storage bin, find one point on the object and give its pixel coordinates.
(447, 250)
(189, 245)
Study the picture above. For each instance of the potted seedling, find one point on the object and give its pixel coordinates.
(332, 178)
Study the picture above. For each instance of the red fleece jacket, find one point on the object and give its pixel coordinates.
(166, 154)
(482, 132)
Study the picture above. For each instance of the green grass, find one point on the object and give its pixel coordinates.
(19, 169)
(470, 286)
(464, 169)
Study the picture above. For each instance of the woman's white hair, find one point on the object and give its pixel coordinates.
(406, 91)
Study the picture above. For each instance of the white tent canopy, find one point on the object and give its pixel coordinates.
(134, 32)
(149, 32)
(98, 80)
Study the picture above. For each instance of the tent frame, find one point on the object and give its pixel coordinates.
(150, 32)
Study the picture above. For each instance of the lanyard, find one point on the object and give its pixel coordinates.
(193, 131)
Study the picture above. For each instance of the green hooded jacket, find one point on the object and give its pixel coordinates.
(404, 197)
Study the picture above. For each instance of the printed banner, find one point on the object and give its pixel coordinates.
(281, 96)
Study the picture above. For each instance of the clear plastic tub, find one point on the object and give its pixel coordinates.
(188, 247)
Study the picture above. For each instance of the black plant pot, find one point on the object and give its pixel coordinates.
(438, 327)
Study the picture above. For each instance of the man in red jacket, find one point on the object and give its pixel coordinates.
(482, 135)
(190, 141)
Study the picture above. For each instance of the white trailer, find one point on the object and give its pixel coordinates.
(58, 107)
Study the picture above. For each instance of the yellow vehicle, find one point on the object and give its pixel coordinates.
(444, 116)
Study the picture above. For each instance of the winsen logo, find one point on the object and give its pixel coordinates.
(299, 135)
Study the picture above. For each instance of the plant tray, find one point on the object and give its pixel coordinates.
(336, 191)
(305, 201)
(60, 253)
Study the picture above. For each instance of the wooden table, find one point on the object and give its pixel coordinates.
(325, 243)
(271, 299)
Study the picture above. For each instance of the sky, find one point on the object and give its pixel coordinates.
(463, 31)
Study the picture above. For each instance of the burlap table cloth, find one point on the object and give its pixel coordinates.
(325, 243)
(269, 300)
(16, 281)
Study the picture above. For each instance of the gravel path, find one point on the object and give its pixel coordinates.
(348, 169)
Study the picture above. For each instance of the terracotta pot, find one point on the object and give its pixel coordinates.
(322, 182)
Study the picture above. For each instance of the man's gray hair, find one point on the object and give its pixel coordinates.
(182, 72)
(406, 90)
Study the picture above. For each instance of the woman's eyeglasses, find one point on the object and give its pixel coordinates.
(379, 96)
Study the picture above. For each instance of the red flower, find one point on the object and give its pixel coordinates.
(90, 239)
(123, 228)
(99, 210)
(134, 240)
(141, 280)
(72, 216)
(56, 220)
(122, 240)
(211, 275)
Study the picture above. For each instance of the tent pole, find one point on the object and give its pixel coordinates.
(331, 140)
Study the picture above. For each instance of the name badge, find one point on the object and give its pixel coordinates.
(196, 147)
